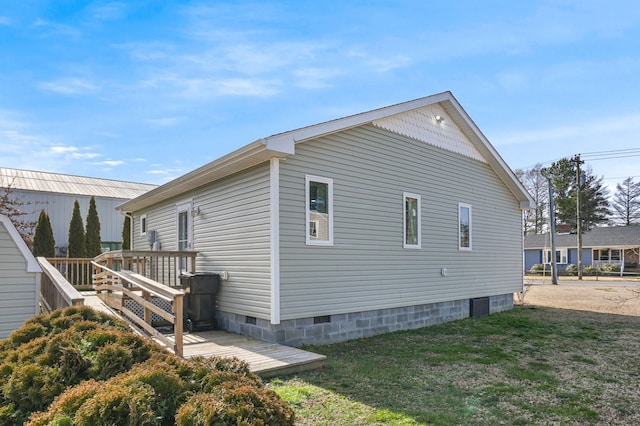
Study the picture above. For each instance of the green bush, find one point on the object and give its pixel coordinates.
(80, 367)
(589, 270)
(610, 267)
(537, 268)
(571, 269)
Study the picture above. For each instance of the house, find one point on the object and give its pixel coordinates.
(19, 280)
(56, 194)
(395, 218)
(615, 244)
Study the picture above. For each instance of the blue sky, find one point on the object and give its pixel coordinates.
(149, 90)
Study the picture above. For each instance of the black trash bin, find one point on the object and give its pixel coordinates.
(200, 300)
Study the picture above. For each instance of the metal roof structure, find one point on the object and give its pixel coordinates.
(26, 180)
(606, 236)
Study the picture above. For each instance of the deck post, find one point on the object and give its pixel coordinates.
(178, 324)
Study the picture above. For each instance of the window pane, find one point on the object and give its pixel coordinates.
(411, 221)
(465, 229)
(318, 211)
(615, 254)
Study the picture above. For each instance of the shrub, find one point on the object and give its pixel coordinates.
(232, 404)
(537, 268)
(610, 267)
(571, 269)
(589, 270)
(80, 367)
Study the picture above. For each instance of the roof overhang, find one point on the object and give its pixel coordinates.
(243, 158)
(283, 144)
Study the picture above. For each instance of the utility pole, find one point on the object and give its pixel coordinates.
(552, 225)
(578, 162)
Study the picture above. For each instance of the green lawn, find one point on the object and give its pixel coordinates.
(527, 366)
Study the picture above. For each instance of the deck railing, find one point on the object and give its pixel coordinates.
(115, 287)
(164, 266)
(55, 290)
(77, 271)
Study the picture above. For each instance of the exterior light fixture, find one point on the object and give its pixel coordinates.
(439, 118)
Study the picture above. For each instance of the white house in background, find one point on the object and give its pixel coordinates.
(396, 218)
(19, 280)
(56, 193)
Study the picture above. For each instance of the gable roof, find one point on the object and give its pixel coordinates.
(57, 183)
(604, 237)
(282, 145)
(32, 263)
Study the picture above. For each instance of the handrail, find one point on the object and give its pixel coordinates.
(149, 288)
(56, 291)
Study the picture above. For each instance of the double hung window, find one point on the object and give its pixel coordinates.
(319, 210)
(412, 221)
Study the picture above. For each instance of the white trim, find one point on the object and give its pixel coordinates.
(274, 222)
(32, 263)
(466, 206)
(185, 205)
(143, 229)
(329, 182)
(406, 195)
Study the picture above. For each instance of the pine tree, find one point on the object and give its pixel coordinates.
(43, 241)
(594, 205)
(76, 244)
(126, 233)
(92, 236)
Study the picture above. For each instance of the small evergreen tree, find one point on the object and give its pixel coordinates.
(126, 233)
(43, 242)
(92, 236)
(76, 244)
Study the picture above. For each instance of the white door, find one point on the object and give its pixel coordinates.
(185, 230)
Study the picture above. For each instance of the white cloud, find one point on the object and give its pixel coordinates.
(48, 28)
(63, 149)
(111, 163)
(110, 11)
(165, 121)
(70, 86)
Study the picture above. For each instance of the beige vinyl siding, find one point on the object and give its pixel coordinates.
(367, 267)
(231, 234)
(17, 286)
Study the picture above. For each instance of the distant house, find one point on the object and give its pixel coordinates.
(616, 244)
(395, 218)
(19, 280)
(56, 193)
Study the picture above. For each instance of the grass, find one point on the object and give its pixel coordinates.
(532, 365)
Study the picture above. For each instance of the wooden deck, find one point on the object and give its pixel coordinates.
(264, 358)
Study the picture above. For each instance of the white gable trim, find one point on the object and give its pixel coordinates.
(32, 263)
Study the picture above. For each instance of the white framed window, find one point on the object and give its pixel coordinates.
(143, 224)
(411, 221)
(561, 256)
(607, 255)
(319, 210)
(464, 227)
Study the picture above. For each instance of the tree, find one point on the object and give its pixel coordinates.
(76, 244)
(14, 208)
(594, 205)
(126, 233)
(626, 202)
(535, 219)
(43, 241)
(92, 236)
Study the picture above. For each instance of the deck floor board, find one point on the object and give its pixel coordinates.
(264, 358)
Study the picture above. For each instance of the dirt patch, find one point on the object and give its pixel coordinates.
(619, 299)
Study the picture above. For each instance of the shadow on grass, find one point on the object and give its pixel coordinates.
(526, 366)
